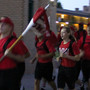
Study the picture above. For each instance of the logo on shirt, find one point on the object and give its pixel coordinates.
(64, 50)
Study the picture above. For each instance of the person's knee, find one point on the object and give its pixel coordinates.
(37, 82)
(89, 82)
(52, 84)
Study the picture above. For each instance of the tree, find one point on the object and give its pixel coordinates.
(59, 5)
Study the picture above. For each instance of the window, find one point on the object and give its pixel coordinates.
(30, 10)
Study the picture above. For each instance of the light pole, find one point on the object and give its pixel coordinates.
(53, 2)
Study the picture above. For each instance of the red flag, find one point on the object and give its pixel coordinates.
(38, 14)
(41, 12)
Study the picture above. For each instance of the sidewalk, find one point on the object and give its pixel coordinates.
(28, 82)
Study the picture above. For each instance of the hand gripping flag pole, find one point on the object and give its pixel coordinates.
(36, 16)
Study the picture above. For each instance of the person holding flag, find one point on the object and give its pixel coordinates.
(69, 55)
(9, 73)
(45, 52)
(44, 66)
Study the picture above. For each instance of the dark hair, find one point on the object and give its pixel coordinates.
(68, 31)
(81, 26)
(88, 24)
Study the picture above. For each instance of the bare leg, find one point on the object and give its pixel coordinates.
(43, 83)
(37, 85)
(89, 84)
(79, 82)
(53, 85)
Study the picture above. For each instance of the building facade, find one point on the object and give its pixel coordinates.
(67, 17)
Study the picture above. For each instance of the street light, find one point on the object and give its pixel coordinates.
(62, 16)
(62, 25)
(53, 2)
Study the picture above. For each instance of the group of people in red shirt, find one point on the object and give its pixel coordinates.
(73, 52)
(74, 55)
(71, 65)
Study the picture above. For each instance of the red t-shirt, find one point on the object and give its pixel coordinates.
(86, 47)
(42, 51)
(51, 37)
(81, 33)
(62, 48)
(19, 49)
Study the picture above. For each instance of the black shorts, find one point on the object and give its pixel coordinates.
(20, 70)
(44, 70)
(86, 69)
(78, 68)
(8, 78)
(66, 75)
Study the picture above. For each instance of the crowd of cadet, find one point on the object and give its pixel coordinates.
(74, 56)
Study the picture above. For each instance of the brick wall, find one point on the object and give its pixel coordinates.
(14, 10)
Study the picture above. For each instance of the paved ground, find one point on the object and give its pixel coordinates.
(28, 82)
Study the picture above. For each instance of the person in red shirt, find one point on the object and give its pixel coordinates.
(73, 31)
(48, 35)
(81, 32)
(9, 74)
(78, 64)
(84, 45)
(45, 53)
(66, 74)
(52, 38)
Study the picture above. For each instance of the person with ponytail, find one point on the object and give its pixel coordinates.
(67, 71)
